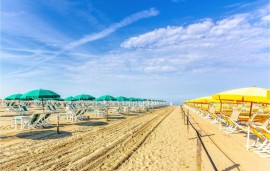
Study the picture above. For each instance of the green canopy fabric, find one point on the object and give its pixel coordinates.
(106, 98)
(121, 98)
(84, 97)
(13, 97)
(70, 98)
(132, 99)
(40, 94)
(139, 100)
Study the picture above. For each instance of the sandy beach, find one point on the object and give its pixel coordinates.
(157, 140)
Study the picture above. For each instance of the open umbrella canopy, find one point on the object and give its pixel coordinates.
(84, 97)
(106, 98)
(132, 99)
(40, 94)
(249, 94)
(206, 99)
(14, 97)
(70, 98)
(139, 99)
(121, 98)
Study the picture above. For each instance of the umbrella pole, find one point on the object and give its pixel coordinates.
(58, 120)
(42, 105)
(250, 111)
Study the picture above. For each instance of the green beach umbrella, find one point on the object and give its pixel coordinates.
(106, 98)
(121, 98)
(132, 99)
(70, 98)
(41, 94)
(13, 97)
(139, 99)
(84, 97)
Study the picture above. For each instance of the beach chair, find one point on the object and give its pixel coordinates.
(73, 116)
(266, 148)
(24, 110)
(233, 126)
(81, 116)
(43, 121)
(254, 130)
(264, 135)
(32, 120)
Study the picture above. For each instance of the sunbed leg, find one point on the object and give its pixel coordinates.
(248, 134)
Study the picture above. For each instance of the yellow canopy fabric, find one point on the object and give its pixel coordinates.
(249, 94)
(206, 99)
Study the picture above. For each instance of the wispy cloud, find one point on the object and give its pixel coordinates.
(129, 20)
(92, 37)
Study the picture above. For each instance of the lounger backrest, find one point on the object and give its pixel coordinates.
(235, 114)
(266, 133)
(256, 132)
(78, 112)
(34, 118)
(212, 110)
(53, 107)
(46, 116)
(24, 108)
(252, 118)
(266, 123)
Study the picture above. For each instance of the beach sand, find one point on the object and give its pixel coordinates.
(157, 140)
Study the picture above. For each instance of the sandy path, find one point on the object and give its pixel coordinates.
(103, 148)
(167, 148)
(228, 150)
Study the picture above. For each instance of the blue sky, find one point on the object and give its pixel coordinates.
(172, 50)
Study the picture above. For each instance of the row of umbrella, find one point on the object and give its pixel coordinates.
(41, 94)
(242, 95)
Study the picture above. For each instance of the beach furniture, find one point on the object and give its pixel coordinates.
(233, 124)
(263, 135)
(254, 130)
(24, 110)
(81, 115)
(73, 115)
(20, 120)
(43, 121)
(32, 120)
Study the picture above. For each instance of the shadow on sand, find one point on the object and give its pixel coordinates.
(115, 117)
(43, 135)
(92, 123)
(130, 114)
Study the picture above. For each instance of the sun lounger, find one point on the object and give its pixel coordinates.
(32, 120)
(263, 135)
(81, 115)
(233, 125)
(43, 121)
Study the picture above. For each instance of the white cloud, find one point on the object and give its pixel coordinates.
(266, 18)
(177, 35)
(89, 38)
(129, 20)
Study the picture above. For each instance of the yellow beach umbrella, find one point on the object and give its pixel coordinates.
(249, 94)
(206, 99)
